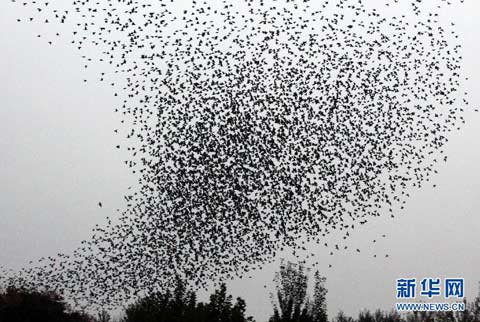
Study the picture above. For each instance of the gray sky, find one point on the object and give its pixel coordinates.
(58, 159)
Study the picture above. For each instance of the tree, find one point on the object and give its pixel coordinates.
(103, 316)
(475, 306)
(341, 317)
(319, 304)
(366, 316)
(293, 303)
(181, 306)
(22, 305)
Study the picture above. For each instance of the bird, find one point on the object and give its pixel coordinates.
(248, 130)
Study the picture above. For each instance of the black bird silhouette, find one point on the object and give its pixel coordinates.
(250, 128)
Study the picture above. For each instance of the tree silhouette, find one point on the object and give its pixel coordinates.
(471, 314)
(181, 306)
(22, 305)
(341, 317)
(104, 316)
(319, 303)
(292, 302)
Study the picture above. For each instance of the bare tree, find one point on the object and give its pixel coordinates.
(292, 302)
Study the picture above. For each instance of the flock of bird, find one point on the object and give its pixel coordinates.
(253, 125)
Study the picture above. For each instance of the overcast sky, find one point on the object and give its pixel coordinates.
(58, 160)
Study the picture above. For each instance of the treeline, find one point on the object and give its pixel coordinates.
(179, 305)
(471, 314)
(290, 303)
(21, 305)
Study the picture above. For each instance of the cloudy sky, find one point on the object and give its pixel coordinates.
(58, 160)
